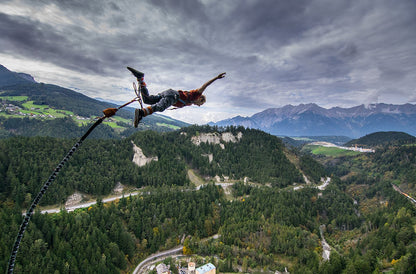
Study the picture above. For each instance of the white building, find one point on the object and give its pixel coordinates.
(162, 269)
(191, 268)
(209, 268)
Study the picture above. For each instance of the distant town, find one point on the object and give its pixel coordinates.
(16, 110)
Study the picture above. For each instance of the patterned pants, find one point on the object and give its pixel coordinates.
(161, 101)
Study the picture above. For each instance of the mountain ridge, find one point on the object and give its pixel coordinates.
(8, 78)
(313, 120)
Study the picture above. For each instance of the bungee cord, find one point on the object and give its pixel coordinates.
(107, 113)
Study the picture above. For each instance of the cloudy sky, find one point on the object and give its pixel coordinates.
(332, 53)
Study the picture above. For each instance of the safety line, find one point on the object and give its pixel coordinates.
(45, 187)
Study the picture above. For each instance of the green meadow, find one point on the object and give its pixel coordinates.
(330, 151)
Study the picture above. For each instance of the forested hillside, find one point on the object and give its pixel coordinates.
(386, 237)
(100, 164)
(266, 224)
(383, 138)
(108, 239)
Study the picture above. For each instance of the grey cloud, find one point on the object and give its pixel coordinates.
(316, 50)
(38, 41)
(279, 19)
(183, 9)
(89, 7)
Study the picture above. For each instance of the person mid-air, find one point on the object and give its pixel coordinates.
(167, 98)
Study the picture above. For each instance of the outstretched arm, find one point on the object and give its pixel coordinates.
(204, 86)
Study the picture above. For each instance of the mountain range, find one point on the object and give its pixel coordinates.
(300, 120)
(30, 108)
(313, 120)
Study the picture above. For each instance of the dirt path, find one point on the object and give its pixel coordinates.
(194, 178)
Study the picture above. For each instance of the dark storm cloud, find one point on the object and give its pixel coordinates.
(279, 21)
(38, 41)
(70, 46)
(275, 52)
(89, 7)
(186, 9)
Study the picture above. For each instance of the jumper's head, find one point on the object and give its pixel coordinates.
(200, 101)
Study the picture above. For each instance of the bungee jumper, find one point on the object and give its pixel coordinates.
(167, 98)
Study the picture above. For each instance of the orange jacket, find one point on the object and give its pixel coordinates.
(187, 97)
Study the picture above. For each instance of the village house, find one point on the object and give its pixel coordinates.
(208, 268)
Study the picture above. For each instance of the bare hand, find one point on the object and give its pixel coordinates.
(222, 75)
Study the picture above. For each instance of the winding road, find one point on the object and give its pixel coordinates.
(159, 256)
(162, 255)
(410, 198)
(84, 205)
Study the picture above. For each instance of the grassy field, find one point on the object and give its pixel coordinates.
(23, 107)
(410, 145)
(330, 151)
(115, 121)
(122, 120)
(14, 98)
(113, 125)
(167, 125)
(32, 110)
(45, 110)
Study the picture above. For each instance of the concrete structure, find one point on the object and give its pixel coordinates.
(209, 268)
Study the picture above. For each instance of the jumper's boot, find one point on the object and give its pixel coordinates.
(139, 75)
(140, 113)
(140, 78)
